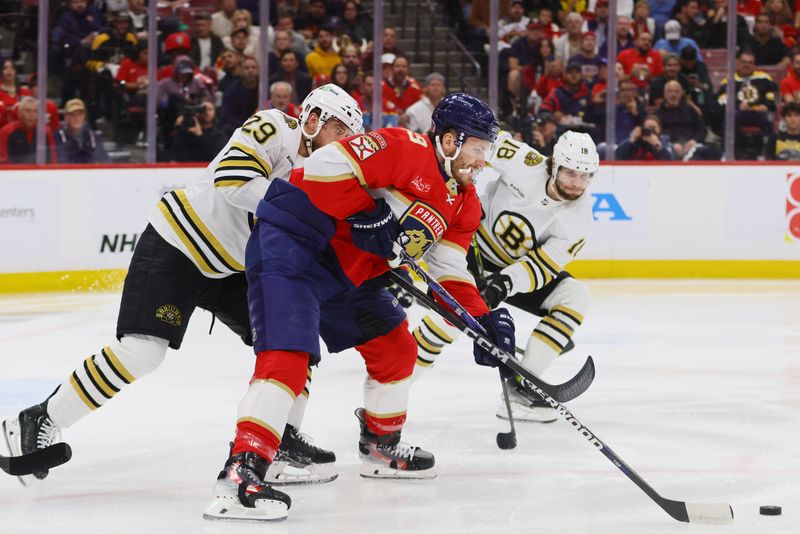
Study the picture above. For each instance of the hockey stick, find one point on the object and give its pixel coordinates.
(713, 514)
(466, 323)
(41, 460)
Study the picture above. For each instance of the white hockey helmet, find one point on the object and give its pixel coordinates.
(333, 103)
(575, 151)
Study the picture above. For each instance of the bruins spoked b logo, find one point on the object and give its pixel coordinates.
(515, 234)
(170, 314)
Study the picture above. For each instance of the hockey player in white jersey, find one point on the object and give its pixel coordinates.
(536, 218)
(191, 255)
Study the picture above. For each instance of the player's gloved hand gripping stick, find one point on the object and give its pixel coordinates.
(716, 514)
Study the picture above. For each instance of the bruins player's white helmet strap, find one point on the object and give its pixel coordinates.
(575, 151)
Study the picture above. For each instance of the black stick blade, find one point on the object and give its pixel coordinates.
(41, 460)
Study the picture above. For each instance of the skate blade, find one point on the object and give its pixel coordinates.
(372, 470)
(230, 509)
(285, 474)
(10, 432)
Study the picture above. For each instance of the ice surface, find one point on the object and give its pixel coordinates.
(697, 388)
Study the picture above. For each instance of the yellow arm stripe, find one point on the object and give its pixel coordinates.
(553, 266)
(239, 163)
(569, 312)
(260, 423)
(207, 233)
(500, 253)
(118, 367)
(201, 262)
(356, 167)
(422, 342)
(531, 275)
(548, 276)
(423, 362)
(79, 390)
(336, 178)
(99, 379)
(233, 182)
(552, 344)
(454, 246)
(436, 330)
(253, 154)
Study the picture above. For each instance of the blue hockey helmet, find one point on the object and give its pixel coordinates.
(467, 115)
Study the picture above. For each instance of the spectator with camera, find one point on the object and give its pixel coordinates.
(681, 121)
(645, 143)
(197, 135)
(785, 145)
(76, 142)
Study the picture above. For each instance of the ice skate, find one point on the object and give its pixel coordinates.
(524, 409)
(30, 431)
(299, 461)
(242, 495)
(388, 457)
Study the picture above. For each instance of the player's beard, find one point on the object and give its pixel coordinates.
(565, 195)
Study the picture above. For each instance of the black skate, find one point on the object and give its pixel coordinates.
(242, 495)
(299, 461)
(30, 431)
(388, 457)
(526, 407)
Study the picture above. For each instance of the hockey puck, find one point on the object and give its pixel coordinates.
(506, 440)
(770, 510)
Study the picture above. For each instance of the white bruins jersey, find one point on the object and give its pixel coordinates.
(530, 235)
(210, 221)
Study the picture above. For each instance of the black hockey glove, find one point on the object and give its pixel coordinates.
(496, 289)
(405, 298)
(375, 231)
(499, 327)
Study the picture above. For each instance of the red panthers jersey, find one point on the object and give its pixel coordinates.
(437, 216)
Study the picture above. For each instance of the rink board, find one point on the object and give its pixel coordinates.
(75, 228)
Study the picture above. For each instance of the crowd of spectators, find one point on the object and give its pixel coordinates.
(670, 98)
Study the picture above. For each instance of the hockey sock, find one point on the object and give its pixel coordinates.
(103, 375)
(390, 362)
(277, 381)
(299, 407)
(432, 336)
(550, 337)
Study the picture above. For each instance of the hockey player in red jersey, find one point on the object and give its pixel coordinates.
(314, 264)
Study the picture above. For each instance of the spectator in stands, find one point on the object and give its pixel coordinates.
(568, 44)
(418, 116)
(238, 41)
(290, 73)
(74, 31)
(672, 71)
(137, 10)
(351, 60)
(51, 108)
(543, 134)
(642, 21)
(642, 62)
(550, 30)
(766, 43)
(244, 37)
(221, 23)
(282, 42)
(717, 26)
(10, 91)
(197, 135)
(786, 145)
(661, 11)
(567, 7)
(780, 13)
(341, 77)
(681, 121)
(673, 43)
(389, 47)
(691, 65)
(131, 81)
(205, 45)
(628, 111)
(569, 102)
(355, 24)
(315, 18)
(478, 22)
(755, 99)
(179, 92)
(645, 143)
(401, 88)
(599, 24)
(286, 23)
(177, 44)
(280, 98)
(229, 66)
(523, 53)
(587, 58)
(552, 78)
(75, 141)
(364, 99)
(624, 38)
(108, 50)
(790, 85)
(18, 138)
(323, 58)
(240, 99)
(515, 23)
(691, 20)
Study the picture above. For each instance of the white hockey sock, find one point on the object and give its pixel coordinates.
(432, 336)
(266, 404)
(299, 407)
(103, 375)
(386, 402)
(550, 337)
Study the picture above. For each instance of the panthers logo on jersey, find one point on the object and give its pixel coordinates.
(422, 225)
(514, 233)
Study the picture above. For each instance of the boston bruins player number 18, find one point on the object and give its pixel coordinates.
(536, 218)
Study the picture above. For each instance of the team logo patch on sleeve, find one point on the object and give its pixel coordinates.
(422, 225)
(363, 146)
(170, 314)
(533, 158)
